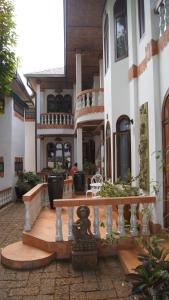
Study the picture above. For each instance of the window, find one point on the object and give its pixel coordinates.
(59, 103)
(106, 43)
(59, 154)
(141, 16)
(1, 166)
(121, 35)
(18, 165)
(123, 148)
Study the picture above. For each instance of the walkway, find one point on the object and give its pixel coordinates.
(58, 280)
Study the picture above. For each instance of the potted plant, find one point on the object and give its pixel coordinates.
(89, 167)
(26, 181)
(151, 277)
(56, 183)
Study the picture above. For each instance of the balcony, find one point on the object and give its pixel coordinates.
(90, 105)
(56, 120)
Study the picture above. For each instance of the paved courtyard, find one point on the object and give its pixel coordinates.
(58, 280)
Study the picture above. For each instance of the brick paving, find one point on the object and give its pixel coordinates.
(58, 281)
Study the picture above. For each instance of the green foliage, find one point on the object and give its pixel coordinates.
(109, 189)
(26, 181)
(89, 168)
(151, 277)
(8, 59)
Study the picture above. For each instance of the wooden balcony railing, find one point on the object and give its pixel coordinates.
(109, 204)
(90, 98)
(162, 8)
(56, 119)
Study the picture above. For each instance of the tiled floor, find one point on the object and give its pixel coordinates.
(58, 280)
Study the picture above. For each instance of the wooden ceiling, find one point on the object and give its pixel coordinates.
(83, 33)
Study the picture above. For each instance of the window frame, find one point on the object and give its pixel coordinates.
(123, 12)
(141, 18)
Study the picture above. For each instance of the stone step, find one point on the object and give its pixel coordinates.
(129, 259)
(22, 257)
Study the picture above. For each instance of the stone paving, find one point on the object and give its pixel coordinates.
(58, 281)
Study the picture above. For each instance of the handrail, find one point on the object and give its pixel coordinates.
(5, 190)
(34, 191)
(103, 201)
(95, 90)
(56, 113)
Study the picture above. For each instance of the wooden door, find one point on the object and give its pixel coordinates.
(165, 123)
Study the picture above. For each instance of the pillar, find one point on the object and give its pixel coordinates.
(79, 149)
(78, 73)
(38, 141)
(38, 110)
(101, 73)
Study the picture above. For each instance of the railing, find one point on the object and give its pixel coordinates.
(37, 198)
(56, 119)
(34, 201)
(162, 8)
(90, 98)
(5, 196)
(109, 204)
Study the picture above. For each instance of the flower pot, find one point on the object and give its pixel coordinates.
(79, 181)
(55, 187)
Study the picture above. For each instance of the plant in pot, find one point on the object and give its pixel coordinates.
(26, 181)
(56, 183)
(89, 168)
(151, 277)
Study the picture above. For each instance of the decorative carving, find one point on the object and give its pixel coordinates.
(84, 246)
(144, 148)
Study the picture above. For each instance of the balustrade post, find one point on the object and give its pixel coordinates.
(121, 228)
(45, 119)
(88, 100)
(93, 99)
(27, 225)
(133, 220)
(96, 222)
(145, 220)
(83, 101)
(59, 235)
(56, 119)
(52, 119)
(108, 220)
(70, 223)
(64, 119)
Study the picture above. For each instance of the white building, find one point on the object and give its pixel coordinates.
(110, 103)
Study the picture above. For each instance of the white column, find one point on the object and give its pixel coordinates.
(102, 152)
(79, 148)
(101, 73)
(78, 73)
(133, 87)
(38, 111)
(38, 154)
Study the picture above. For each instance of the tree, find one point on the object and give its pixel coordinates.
(8, 61)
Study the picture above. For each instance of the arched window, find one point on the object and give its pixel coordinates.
(123, 148)
(106, 43)
(108, 151)
(121, 34)
(67, 104)
(59, 103)
(51, 103)
(50, 155)
(59, 154)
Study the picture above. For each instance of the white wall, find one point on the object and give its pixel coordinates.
(30, 146)
(5, 144)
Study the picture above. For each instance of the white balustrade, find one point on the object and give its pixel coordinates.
(70, 223)
(96, 222)
(5, 196)
(109, 220)
(56, 119)
(90, 98)
(145, 220)
(108, 203)
(34, 201)
(59, 235)
(121, 228)
(133, 220)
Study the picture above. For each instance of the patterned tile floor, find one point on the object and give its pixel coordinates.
(58, 280)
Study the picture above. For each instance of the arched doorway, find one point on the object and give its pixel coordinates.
(108, 151)
(165, 127)
(123, 148)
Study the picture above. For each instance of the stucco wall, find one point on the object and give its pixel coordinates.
(30, 146)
